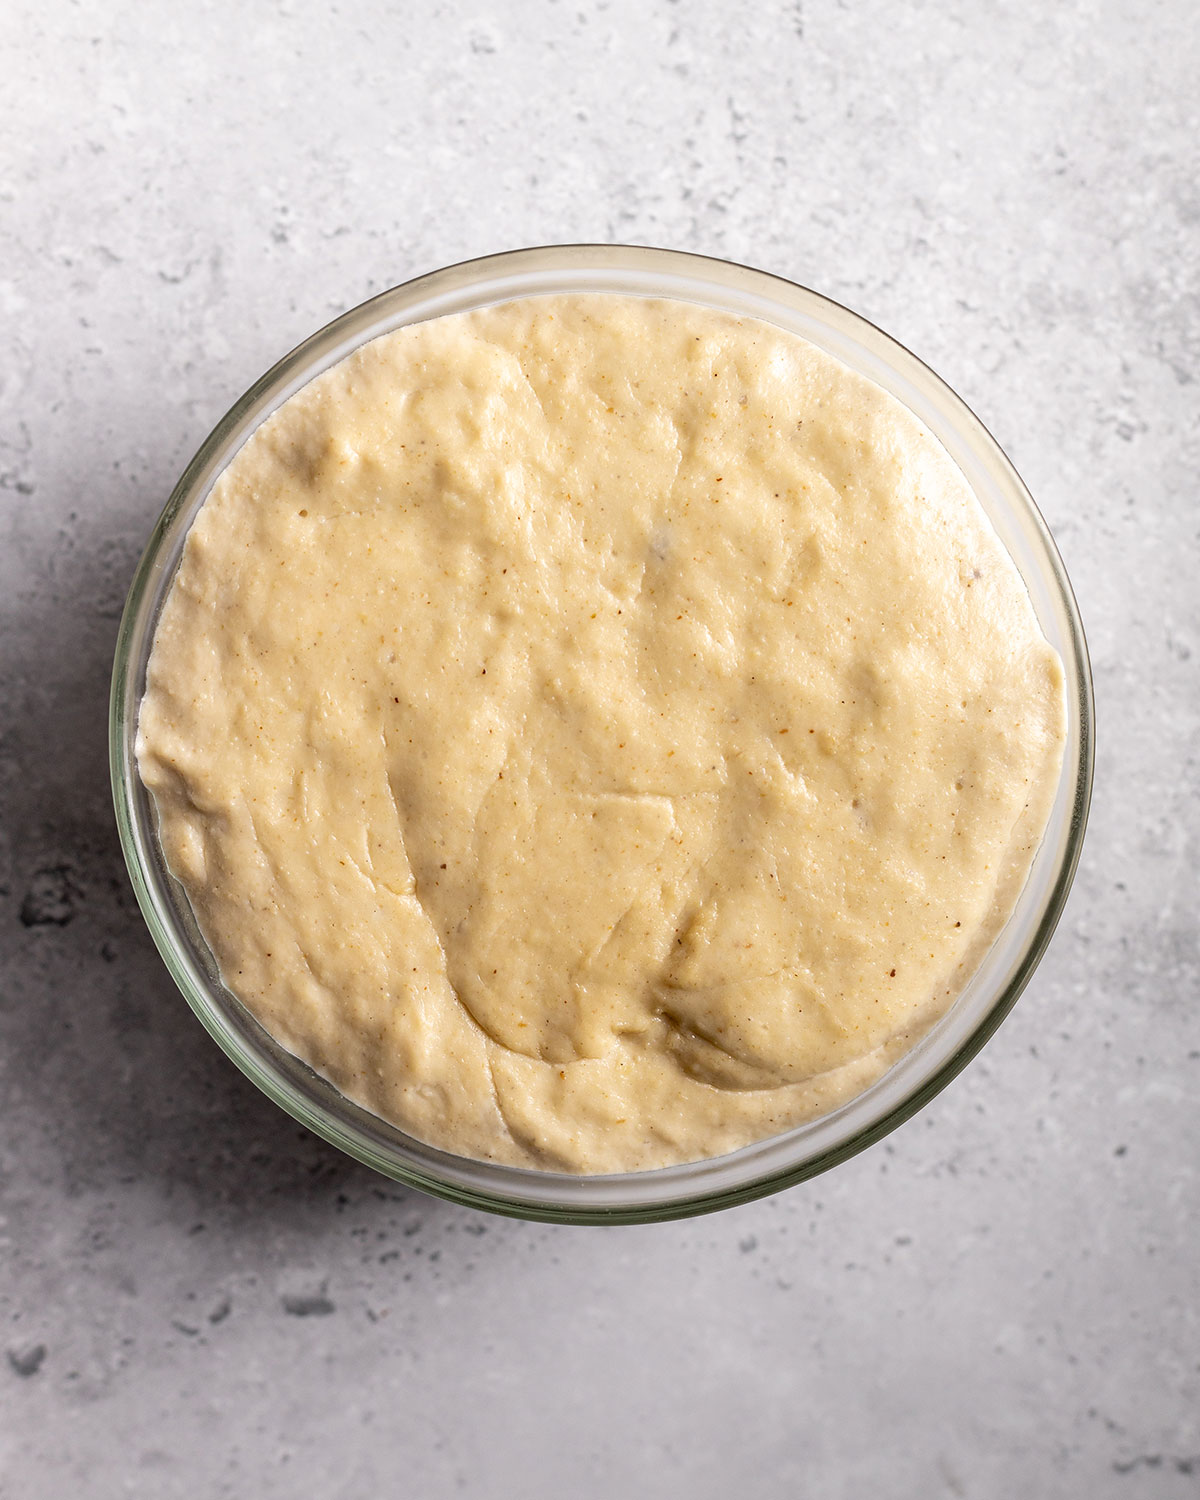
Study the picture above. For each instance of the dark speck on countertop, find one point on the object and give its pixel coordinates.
(308, 1305)
(27, 1360)
(52, 899)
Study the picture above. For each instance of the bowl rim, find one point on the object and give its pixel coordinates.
(312, 1101)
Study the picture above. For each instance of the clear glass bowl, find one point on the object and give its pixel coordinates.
(770, 1164)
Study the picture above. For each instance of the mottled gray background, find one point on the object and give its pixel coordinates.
(198, 1298)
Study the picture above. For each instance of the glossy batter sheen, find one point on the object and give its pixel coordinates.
(597, 733)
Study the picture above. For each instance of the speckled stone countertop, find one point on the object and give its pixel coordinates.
(197, 1297)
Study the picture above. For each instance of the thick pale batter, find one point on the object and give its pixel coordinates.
(597, 733)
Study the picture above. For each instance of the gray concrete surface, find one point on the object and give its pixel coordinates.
(196, 1297)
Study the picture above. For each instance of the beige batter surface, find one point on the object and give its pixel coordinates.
(598, 733)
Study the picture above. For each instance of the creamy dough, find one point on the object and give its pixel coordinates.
(597, 733)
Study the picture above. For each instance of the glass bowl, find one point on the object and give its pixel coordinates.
(771, 1164)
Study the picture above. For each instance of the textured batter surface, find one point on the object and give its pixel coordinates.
(597, 732)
